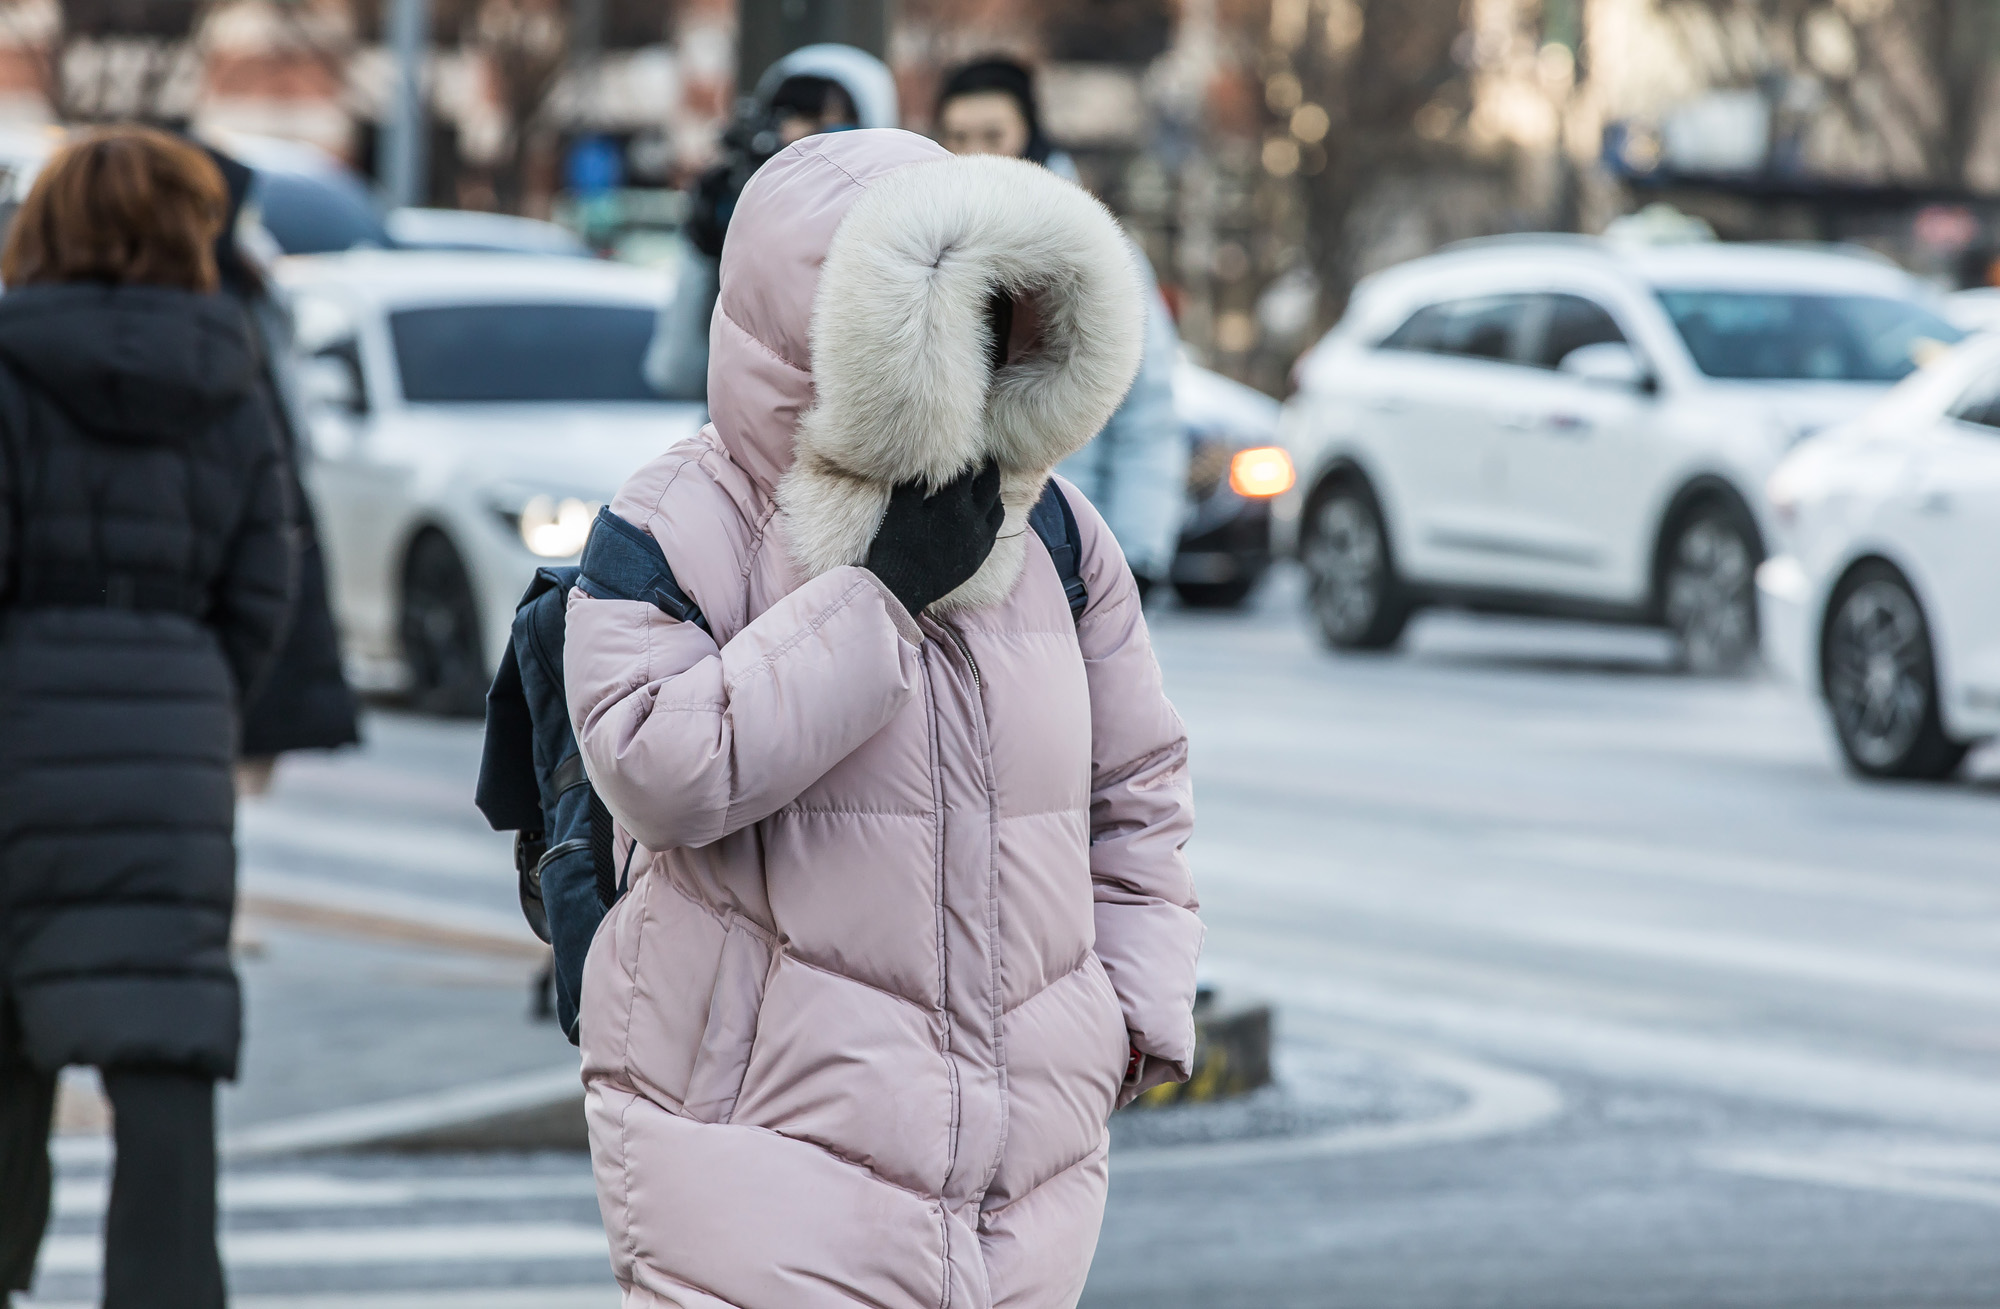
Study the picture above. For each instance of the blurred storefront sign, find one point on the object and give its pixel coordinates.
(1093, 104)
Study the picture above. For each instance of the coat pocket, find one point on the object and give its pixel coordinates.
(724, 1054)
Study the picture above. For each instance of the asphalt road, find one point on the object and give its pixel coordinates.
(1762, 1000)
(1610, 989)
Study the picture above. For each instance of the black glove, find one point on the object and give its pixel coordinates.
(929, 544)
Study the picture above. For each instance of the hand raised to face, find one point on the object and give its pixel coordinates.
(928, 545)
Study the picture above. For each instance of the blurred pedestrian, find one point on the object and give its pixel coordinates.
(912, 914)
(1135, 472)
(145, 573)
(819, 88)
(305, 702)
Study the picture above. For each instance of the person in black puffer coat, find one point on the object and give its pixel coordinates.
(305, 702)
(146, 569)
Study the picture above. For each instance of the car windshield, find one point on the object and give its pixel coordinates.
(1777, 335)
(523, 353)
(317, 215)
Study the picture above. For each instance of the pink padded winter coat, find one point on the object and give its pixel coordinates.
(906, 888)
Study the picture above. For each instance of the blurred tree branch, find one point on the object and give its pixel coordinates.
(1374, 89)
(1913, 78)
(524, 45)
(109, 59)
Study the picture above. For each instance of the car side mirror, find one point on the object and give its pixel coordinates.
(331, 381)
(1610, 363)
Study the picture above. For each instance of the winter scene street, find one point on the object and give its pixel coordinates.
(1594, 985)
(989, 654)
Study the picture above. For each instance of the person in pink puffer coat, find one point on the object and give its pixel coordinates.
(909, 914)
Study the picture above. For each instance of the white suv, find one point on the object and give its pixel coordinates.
(1560, 426)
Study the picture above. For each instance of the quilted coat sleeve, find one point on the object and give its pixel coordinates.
(1141, 814)
(688, 742)
(253, 596)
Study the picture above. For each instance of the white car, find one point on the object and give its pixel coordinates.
(1886, 598)
(471, 230)
(1562, 426)
(469, 415)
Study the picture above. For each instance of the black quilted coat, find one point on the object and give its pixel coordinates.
(145, 571)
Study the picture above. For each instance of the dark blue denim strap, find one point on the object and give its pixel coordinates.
(623, 562)
(1055, 522)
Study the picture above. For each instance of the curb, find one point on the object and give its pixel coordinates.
(534, 1111)
(385, 915)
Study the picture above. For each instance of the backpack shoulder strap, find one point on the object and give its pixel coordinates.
(1055, 522)
(622, 561)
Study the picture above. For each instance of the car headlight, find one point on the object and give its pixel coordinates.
(555, 529)
(1261, 472)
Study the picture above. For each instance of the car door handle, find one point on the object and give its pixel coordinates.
(1935, 503)
(1556, 424)
(1388, 404)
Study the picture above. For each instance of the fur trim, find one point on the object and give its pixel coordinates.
(900, 344)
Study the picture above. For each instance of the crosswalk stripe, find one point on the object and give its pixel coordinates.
(283, 1192)
(337, 1247)
(602, 1296)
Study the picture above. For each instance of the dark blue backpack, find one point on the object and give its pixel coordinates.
(531, 777)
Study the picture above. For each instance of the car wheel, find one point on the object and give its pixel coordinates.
(1709, 590)
(1881, 681)
(440, 629)
(1352, 584)
(1214, 595)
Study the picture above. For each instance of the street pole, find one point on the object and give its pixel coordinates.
(403, 148)
(768, 30)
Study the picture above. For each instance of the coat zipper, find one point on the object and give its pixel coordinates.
(965, 650)
(986, 755)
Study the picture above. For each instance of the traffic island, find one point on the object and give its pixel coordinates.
(1232, 1054)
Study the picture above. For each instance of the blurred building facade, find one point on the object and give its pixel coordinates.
(1265, 153)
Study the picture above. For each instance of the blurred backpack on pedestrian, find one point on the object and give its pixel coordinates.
(531, 774)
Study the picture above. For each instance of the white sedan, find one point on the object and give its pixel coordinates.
(1886, 599)
(468, 414)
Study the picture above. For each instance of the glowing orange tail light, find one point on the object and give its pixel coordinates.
(1264, 471)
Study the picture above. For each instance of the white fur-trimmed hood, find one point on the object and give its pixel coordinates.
(901, 347)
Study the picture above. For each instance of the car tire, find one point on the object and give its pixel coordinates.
(1708, 588)
(1215, 595)
(1350, 576)
(1879, 676)
(440, 632)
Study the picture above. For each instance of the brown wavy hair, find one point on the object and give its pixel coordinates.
(120, 205)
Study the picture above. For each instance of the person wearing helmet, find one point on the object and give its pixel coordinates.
(1135, 471)
(818, 88)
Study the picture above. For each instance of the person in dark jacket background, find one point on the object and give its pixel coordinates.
(1135, 470)
(146, 569)
(305, 702)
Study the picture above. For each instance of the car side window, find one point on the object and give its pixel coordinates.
(1980, 402)
(1570, 322)
(1482, 327)
(1423, 330)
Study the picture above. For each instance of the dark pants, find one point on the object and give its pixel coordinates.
(27, 1102)
(159, 1234)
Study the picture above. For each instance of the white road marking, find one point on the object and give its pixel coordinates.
(1755, 1067)
(303, 1191)
(541, 1297)
(407, 1117)
(1497, 1101)
(1530, 924)
(347, 1247)
(433, 849)
(1753, 872)
(507, 932)
(1966, 1173)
